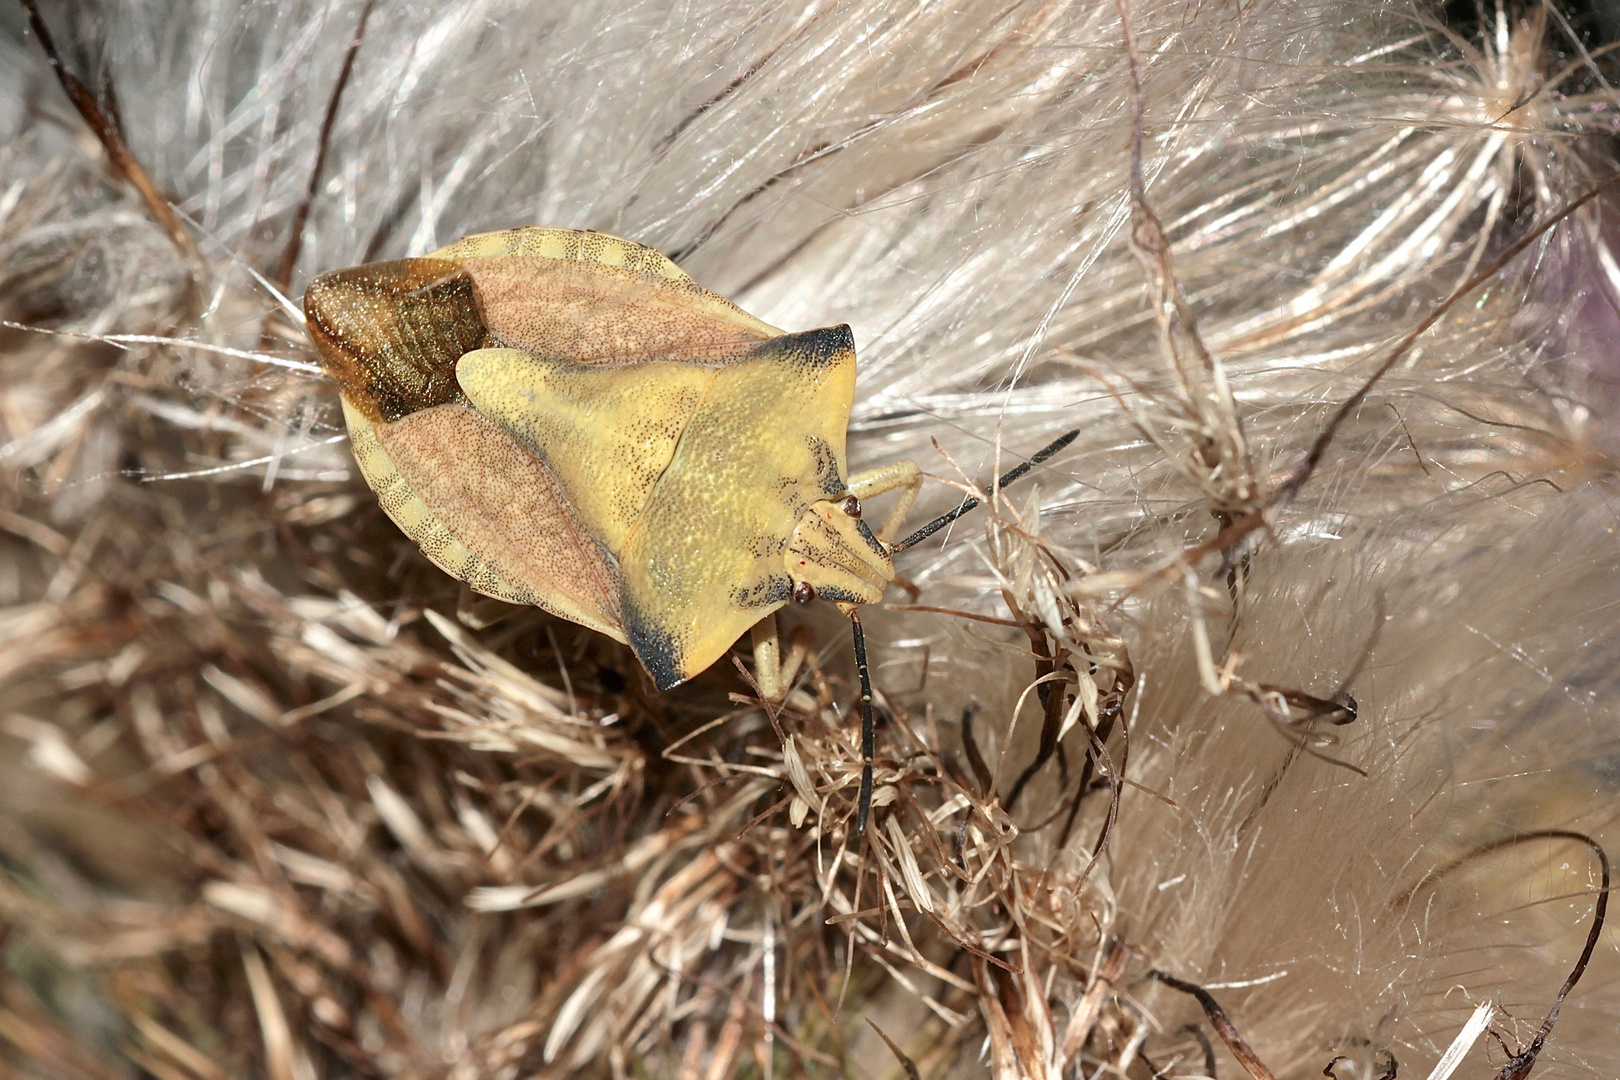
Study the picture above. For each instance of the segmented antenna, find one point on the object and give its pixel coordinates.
(863, 809)
(970, 502)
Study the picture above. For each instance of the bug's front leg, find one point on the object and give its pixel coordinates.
(863, 805)
(897, 474)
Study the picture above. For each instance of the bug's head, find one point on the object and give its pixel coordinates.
(833, 555)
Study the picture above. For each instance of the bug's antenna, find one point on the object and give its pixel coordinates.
(970, 502)
(864, 808)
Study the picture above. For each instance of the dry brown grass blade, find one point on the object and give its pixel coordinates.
(276, 809)
(906, 1063)
(280, 1052)
(107, 132)
(1084, 1015)
(295, 235)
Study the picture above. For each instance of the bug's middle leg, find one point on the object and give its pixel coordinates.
(774, 669)
(768, 659)
(481, 612)
(896, 474)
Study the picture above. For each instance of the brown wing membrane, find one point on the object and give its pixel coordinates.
(390, 333)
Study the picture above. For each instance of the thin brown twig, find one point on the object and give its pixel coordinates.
(905, 1062)
(1519, 1064)
(295, 242)
(931, 609)
(111, 138)
(1235, 529)
(1113, 805)
(1221, 1023)
(1313, 457)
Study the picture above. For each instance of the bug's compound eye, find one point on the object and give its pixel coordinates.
(804, 592)
(852, 507)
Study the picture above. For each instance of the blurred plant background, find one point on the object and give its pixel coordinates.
(1325, 741)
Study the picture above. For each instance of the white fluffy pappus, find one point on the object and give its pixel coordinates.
(272, 811)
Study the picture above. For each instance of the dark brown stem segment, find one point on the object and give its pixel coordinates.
(295, 242)
(905, 1062)
(1217, 1020)
(111, 138)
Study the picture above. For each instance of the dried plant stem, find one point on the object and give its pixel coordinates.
(107, 132)
(1521, 1062)
(295, 237)
(1218, 1020)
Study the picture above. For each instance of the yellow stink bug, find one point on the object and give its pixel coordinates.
(566, 419)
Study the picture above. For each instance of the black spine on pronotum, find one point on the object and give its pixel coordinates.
(864, 807)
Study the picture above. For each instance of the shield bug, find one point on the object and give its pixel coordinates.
(565, 419)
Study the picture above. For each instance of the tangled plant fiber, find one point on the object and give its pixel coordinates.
(1268, 727)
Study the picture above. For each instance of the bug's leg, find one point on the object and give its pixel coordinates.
(800, 643)
(863, 809)
(479, 612)
(768, 659)
(896, 474)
